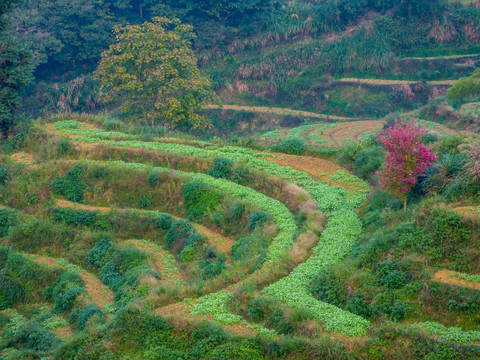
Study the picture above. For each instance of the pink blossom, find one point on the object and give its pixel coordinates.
(406, 158)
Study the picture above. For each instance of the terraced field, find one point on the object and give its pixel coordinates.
(328, 200)
(271, 223)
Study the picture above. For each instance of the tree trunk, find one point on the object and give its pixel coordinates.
(405, 205)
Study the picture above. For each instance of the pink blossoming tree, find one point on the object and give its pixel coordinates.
(406, 158)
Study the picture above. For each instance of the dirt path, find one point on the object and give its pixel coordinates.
(277, 111)
(445, 276)
(98, 292)
(69, 204)
(392, 82)
(163, 261)
(440, 57)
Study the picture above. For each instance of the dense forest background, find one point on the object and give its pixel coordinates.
(270, 52)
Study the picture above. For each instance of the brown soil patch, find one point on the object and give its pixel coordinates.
(69, 204)
(466, 210)
(23, 158)
(314, 166)
(276, 111)
(158, 256)
(338, 135)
(98, 292)
(222, 243)
(47, 261)
(445, 276)
(63, 332)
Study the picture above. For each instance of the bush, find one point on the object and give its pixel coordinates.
(257, 219)
(210, 268)
(80, 317)
(65, 290)
(155, 177)
(241, 350)
(222, 168)
(199, 199)
(72, 185)
(3, 174)
(449, 144)
(36, 337)
(178, 234)
(293, 146)
(242, 176)
(145, 202)
(74, 217)
(163, 222)
(8, 218)
(64, 146)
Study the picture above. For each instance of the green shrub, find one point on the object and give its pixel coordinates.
(199, 199)
(251, 250)
(210, 268)
(145, 202)
(188, 254)
(12, 291)
(74, 217)
(8, 218)
(241, 350)
(80, 317)
(163, 222)
(156, 177)
(449, 144)
(292, 146)
(368, 162)
(257, 219)
(178, 234)
(242, 176)
(65, 290)
(36, 337)
(4, 174)
(261, 308)
(72, 185)
(64, 146)
(222, 168)
(358, 305)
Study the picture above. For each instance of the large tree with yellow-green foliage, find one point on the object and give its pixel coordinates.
(466, 89)
(151, 70)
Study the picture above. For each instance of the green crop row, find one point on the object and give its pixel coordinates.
(216, 304)
(453, 334)
(341, 232)
(466, 277)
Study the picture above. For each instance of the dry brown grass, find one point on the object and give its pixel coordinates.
(23, 158)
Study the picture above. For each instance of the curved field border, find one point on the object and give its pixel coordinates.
(277, 111)
(329, 199)
(446, 57)
(393, 82)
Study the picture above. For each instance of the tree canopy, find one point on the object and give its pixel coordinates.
(465, 89)
(15, 70)
(406, 158)
(152, 71)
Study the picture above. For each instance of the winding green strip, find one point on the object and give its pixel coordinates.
(282, 217)
(342, 231)
(454, 334)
